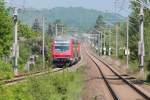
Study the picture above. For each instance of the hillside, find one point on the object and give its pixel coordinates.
(75, 17)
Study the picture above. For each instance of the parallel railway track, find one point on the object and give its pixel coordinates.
(22, 77)
(139, 93)
(96, 61)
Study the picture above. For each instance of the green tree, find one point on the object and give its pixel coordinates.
(134, 32)
(5, 30)
(26, 32)
(50, 30)
(100, 24)
(36, 26)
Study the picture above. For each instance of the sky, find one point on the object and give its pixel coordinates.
(102, 5)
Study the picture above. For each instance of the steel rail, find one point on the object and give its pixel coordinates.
(23, 76)
(114, 95)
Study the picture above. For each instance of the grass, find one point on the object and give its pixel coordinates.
(58, 86)
(5, 70)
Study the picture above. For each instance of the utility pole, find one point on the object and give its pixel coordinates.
(98, 37)
(56, 30)
(62, 30)
(127, 48)
(109, 52)
(116, 40)
(101, 49)
(94, 42)
(43, 51)
(141, 42)
(115, 4)
(15, 42)
(98, 41)
(104, 45)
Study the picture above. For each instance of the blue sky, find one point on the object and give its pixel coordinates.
(102, 5)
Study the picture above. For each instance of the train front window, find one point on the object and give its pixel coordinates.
(61, 48)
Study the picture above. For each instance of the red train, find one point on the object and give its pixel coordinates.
(65, 51)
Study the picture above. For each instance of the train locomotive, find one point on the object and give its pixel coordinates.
(65, 51)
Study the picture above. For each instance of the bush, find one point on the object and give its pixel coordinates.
(60, 86)
(148, 68)
(148, 78)
(5, 70)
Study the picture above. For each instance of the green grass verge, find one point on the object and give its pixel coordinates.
(58, 86)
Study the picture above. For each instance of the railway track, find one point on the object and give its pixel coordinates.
(120, 88)
(22, 77)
